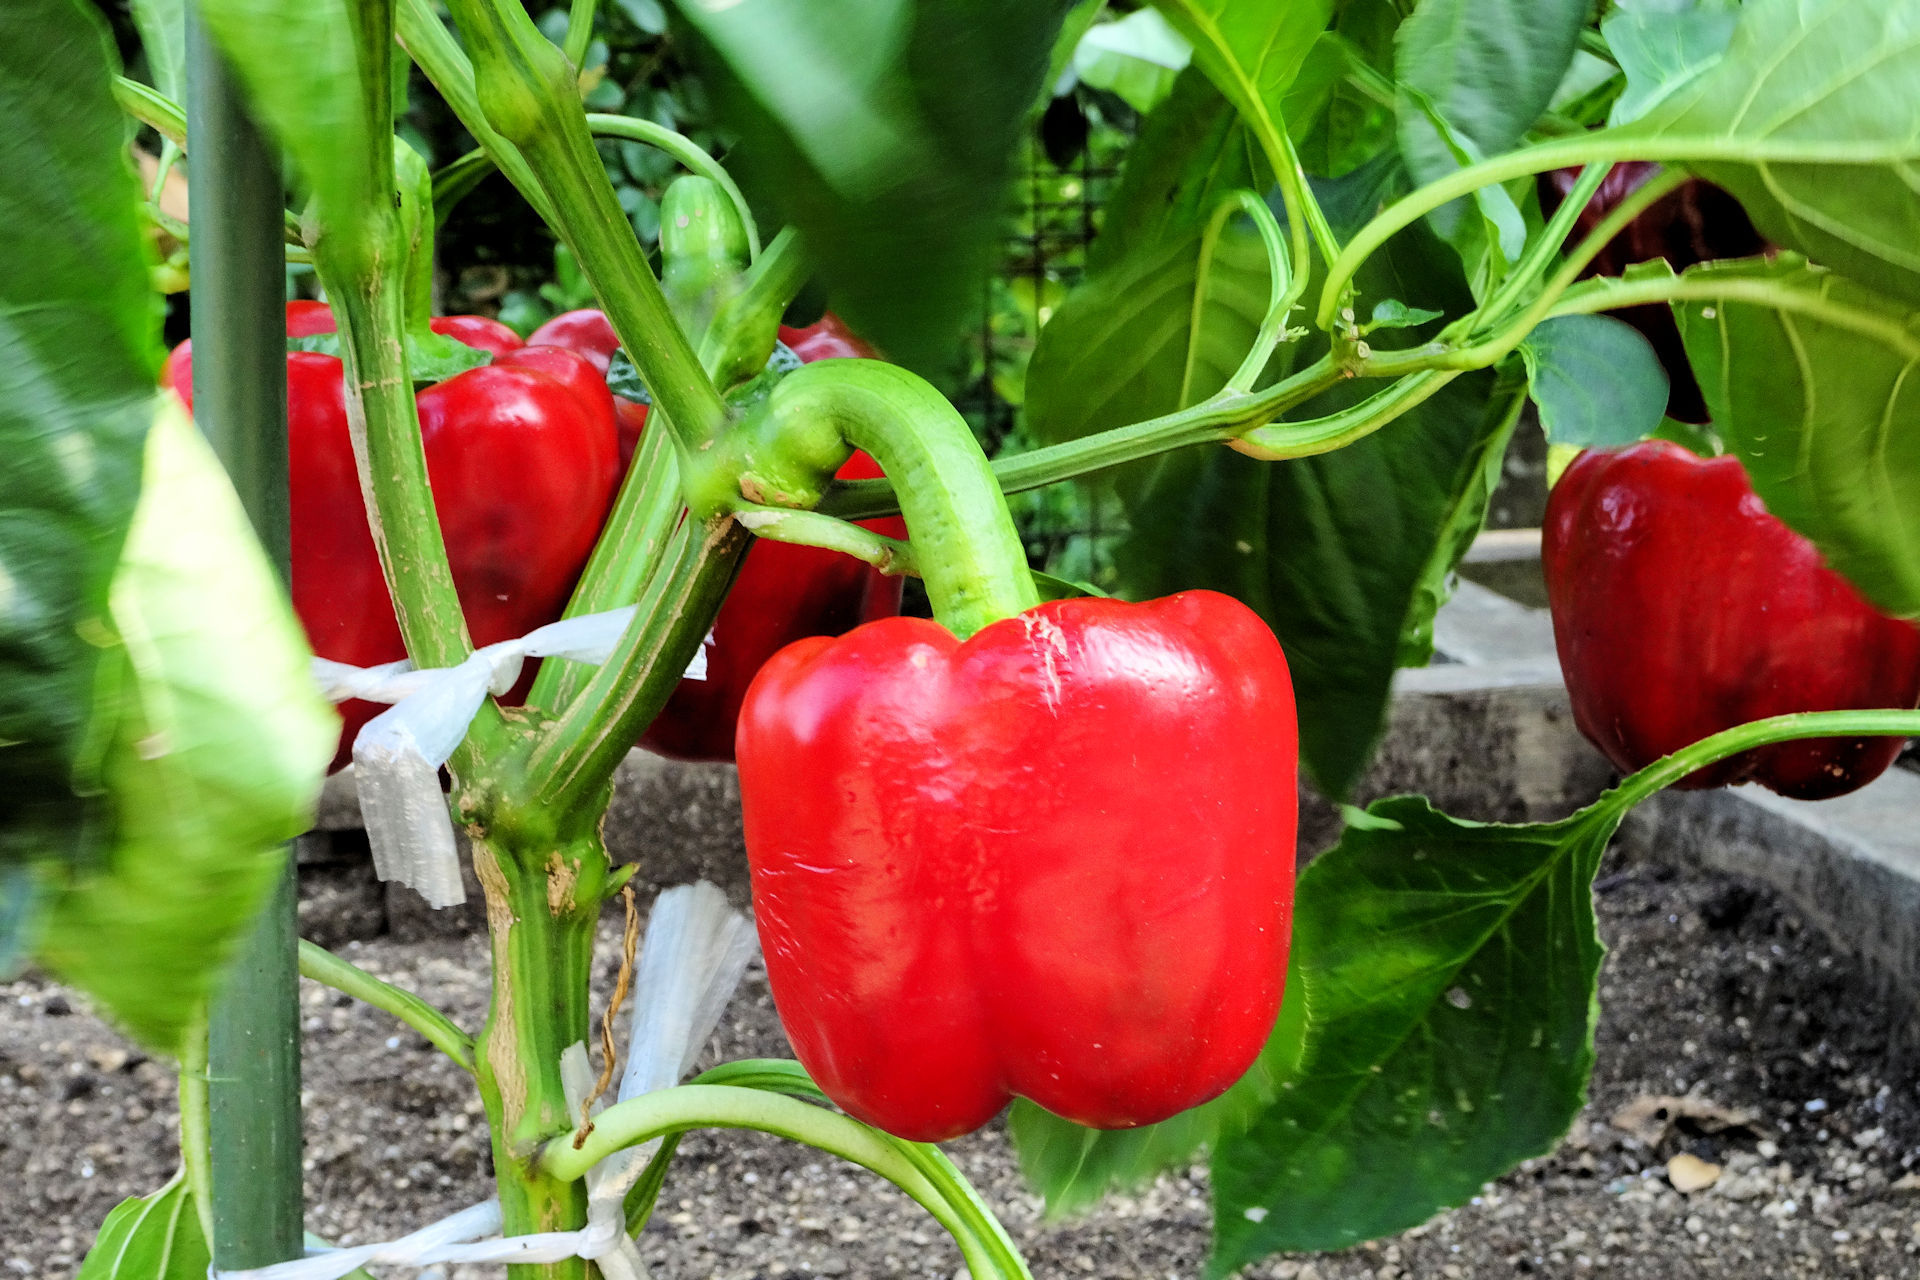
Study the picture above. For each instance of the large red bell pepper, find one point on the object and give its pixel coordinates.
(783, 592)
(522, 457)
(1681, 608)
(1054, 860)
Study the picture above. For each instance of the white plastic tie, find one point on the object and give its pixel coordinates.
(695, 953)
(397, 755)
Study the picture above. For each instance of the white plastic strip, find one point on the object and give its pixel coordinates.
(398, 754)
(696, 949)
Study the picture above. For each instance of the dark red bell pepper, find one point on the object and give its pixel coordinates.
(783, 592)
(1681, 608)
(1054, 860)
(1694, 223)
(523, 460)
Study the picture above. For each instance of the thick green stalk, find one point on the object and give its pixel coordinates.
(969, 552)
(365, 276)
(1215, 420)
(526, 90)
(250, 1102)
(543, 899)
(629, 550)
(575, 759)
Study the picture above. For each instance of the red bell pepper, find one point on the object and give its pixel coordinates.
(783, 592)
(1681, 608)
(1694, 223)
(522, 457)
(1054, 860)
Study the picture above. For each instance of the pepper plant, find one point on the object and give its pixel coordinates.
(1320, 296)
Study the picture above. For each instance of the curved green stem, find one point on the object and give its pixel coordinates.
(1215, 420)
(1324, 435)
(1282, 294)
(1533, 263)
(811, 529)
(1668, 770)
(689, 153)
(328, 969)
(704, 1106)
(1558, 153)
(970, 554)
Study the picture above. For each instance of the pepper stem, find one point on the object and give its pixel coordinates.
(964, 540)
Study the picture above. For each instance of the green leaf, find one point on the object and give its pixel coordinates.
(1391, 313)
(1344, 555)
(1488, 68)
(163, 34)
(1812, 119)
(1137, 58)
(1450, 968)
(1073, 1166)
(1460, 521)
(1191, 154)
(296, 59)
(1596, 379)
(153, 1237)
(1252, 52)
(1357, 122)
(431, 357)
(217, 755)
(1124, 347)
(1808, 377)
(882, 129)
(79, 357)
(1660, 49)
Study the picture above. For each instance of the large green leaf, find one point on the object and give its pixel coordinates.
(1252, 52)
(79, 355)
(217, 755)
(1662, 46)
(1597, 380)
(1136, 58)
(1486, 69)
(1809, 378)
(1073, 1166)
(1812, 119)
(163, 34)
(296, 58)
(1345, 555)
(882, 129)
(154, 1237)
(1450, 971)
(1123, 346)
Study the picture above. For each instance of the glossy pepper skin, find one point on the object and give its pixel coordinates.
(1055, 860)
(522, 457)
(1681, 608)
(783, 592)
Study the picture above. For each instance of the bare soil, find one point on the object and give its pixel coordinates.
(1712, 993)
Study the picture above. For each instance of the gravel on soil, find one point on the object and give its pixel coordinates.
(1739, 1054)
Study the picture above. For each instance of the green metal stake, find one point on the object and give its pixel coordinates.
(240, 399)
